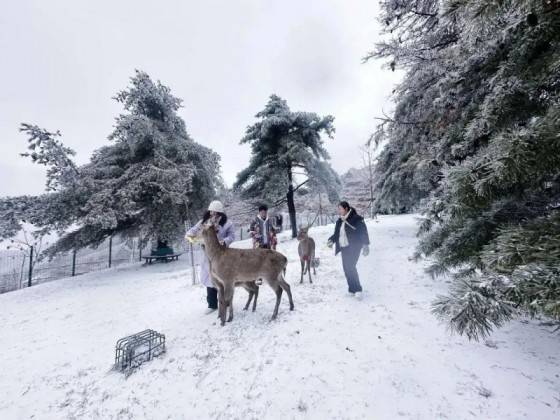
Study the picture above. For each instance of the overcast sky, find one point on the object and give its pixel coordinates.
(63, 61)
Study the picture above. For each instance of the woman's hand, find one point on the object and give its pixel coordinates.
(365, 251)
(330, 243)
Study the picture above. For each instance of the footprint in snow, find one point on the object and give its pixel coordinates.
(491, 344)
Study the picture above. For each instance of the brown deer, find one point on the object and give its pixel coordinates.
(306, 251)
(231, 266)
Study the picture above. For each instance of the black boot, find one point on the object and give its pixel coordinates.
(212, 297)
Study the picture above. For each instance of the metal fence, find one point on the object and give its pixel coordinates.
(21, 268)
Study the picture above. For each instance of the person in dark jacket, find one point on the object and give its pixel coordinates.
(350, 238)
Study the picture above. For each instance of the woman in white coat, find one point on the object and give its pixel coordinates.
(226, 235)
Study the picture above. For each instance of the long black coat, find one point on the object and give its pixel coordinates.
(357, 237)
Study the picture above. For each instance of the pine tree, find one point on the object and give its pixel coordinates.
(474, 143)
(147, 183)
(287, 153)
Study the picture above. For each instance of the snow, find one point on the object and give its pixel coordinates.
(384, 357)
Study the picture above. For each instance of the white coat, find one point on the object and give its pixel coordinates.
(226, 233)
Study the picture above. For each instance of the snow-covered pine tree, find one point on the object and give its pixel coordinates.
(147, 183)
(475, 133)
(287, 152)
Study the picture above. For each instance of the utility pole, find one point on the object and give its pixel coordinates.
(30, 277)
(320, 210)
(73, 263)
(110, 250)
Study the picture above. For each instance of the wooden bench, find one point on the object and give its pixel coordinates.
(164, 258)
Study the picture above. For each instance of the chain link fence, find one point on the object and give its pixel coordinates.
(21, 268)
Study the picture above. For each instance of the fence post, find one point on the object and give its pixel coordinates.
(73, 263)
(30, 266)
(22, 275)
(110, 249)
(192, 263)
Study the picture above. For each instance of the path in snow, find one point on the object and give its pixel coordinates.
(385, 357)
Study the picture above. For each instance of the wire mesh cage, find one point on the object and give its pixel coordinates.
(132, 351)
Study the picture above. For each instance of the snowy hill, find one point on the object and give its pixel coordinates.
(385, 357)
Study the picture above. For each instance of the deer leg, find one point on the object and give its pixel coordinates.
(222, 306)
(220, 289)
(218, 286)
(230, 318)
(228, 292)
(251, 293)
(284, 285)
(309, 270)
(314, 270)
(278, 291)
(302, 269)
(246, 307)
(256, 296)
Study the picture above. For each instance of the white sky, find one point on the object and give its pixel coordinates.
(62, 62)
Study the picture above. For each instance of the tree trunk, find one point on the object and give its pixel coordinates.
(320, 210)
(291, 205)
(292, 210)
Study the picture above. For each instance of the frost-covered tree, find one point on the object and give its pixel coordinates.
(368, 172)
(287, 153)
(474, 142)
(146, 183)
(240, 211)
(356, 190)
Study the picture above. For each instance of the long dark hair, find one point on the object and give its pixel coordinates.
(223, 217)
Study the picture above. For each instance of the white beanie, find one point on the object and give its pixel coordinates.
(216, 206)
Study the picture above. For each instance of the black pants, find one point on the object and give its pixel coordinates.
(350, 256)
(212, 297)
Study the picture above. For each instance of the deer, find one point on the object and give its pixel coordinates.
(306, 251)
(251, 287)
(231, 266)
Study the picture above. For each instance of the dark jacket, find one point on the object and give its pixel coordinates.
(357, 237)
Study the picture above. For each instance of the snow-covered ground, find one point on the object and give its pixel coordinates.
(384, 357)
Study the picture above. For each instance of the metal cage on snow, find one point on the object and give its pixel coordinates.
(132, 351)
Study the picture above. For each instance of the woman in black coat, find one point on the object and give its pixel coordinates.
(350, 238)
